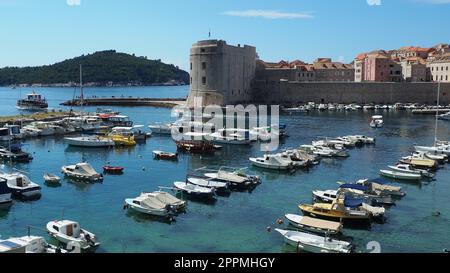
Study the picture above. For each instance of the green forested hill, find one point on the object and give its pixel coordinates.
(102, 68)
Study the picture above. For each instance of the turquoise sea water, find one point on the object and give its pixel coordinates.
(236, 223)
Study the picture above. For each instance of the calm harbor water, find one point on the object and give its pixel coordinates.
(236, 223)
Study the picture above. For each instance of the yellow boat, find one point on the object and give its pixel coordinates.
(123, 140)
(335, 211)
(122, 136)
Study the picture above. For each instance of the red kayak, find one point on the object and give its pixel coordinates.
(113, 169)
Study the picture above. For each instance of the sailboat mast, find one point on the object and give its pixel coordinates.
(81, 88)
(437, 114)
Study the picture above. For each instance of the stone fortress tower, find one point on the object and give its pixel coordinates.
(221, 74)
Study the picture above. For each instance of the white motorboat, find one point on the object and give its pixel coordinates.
(30, 131)
(363, 139)
(67, 231)
(377, 121)
(406, 168)
(400, 175)
(236, 178)
(194, 190)
(263, 133)
(46, 128)
(51, 178)
(274, 162)
(314, 243)
(427, 155)
(84, 123)
(149, 204)
(160, 128)
(21, 186)
(296, 162)
(439, 150)
(28, 244)
(322, 151)
(82, 171)
(207, 183)
(234, 138)
(300, 109)
(445, 116)
(14, 132)
(5, 192)
(89, 141)
(314, 224)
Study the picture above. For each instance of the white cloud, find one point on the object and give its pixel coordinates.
(374, 2)
(73, 2)
(269, 14)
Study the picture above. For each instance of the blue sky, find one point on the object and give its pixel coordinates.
(37, 32)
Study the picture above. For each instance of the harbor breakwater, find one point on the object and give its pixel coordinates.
(126, 101)
(288, 93)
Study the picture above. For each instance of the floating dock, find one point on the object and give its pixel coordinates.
(127, 101)
(39, 116)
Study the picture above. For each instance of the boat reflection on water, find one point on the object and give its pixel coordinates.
(142, 217)
(200, 200)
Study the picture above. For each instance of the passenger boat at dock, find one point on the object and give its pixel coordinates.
(33, 101)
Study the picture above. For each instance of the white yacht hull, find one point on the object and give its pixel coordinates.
(155, 212)
(87, 142)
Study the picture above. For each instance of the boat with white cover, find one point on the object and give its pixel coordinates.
(82, 171)
(235, 177)
(21, 186)
(273, 162)
(194, 190)
(314, 225)
(149, 204)
(207, 183)
(168, 199)
(314, 243)
(67, 231)
(400, 175)
(51, 178)
(89, 141)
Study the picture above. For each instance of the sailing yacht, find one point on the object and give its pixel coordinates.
(436, 149)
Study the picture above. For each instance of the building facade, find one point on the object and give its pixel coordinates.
(439, 68)
(220, 74)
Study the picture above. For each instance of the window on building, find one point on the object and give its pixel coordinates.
(191, 80)
(446, 68)
(446, 78)
(442, 68)
(432, 68)
(191, 66)
(202, 50)
(204, 65)
(203, 80)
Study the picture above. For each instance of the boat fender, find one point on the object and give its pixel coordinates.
(269, 229)
(172, 219)
(143, 168)
(280, 221)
